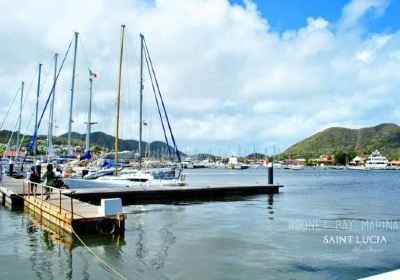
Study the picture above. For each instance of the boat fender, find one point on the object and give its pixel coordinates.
(106, 226)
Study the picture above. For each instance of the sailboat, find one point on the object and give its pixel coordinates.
(140, 177)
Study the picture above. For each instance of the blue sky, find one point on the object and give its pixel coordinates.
(292, 14)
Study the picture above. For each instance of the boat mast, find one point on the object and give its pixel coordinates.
(89, 122)
(19, 120)
(118, 99)
(19, 145)
(141, 100)
(51, 115)
(36, 114)
(72, 95)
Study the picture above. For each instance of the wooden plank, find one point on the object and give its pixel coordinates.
(65, 212)
(81, 210)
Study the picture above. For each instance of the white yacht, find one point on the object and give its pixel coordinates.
(376, 161)
(144, 178)
(296, 167)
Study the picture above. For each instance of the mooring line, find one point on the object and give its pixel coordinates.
(91, 252)
(97, 257)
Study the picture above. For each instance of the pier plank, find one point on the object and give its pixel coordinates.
(66, 212)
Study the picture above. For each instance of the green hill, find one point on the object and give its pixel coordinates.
(384, 137)
(96, 139)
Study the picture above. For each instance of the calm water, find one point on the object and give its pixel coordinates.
(287, 236)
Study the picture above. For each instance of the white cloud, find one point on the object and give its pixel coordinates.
(356, 9)
(227, 78)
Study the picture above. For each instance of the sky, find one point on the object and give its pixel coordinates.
(236, 76)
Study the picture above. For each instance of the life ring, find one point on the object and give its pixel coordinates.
(106, 226)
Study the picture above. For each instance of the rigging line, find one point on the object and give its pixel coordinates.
(12, 134)
(102, 73)
(30, 118)
(40, 92)
(15, 127)
(9, 108)
(124, 90)
(97, 257)
(158, 107)
(84, 53)
(135, 60)
(29, 89)
(44, 82)
(129, 95)
(27, 126)
(47, 102)
(162, 102)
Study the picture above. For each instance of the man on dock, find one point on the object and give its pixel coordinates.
(34, 178)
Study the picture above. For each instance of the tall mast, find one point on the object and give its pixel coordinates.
(72, 95)
(89, 122)
(141, 100)
(37, 110)
(20, 119)
(118, 99)
(51, 115)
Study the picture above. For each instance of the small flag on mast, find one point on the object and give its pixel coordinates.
(92, 74)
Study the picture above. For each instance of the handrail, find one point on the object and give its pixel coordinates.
(45, 191)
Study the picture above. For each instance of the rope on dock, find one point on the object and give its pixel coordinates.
(97, 257)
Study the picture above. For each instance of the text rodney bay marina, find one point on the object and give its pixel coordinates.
(343, 224)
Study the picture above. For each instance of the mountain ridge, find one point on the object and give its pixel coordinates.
(97, 138)
(384, 137)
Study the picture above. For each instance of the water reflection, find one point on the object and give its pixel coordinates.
(270, 203)
(168, 239)
(140, 248)
(152, 247)
(53, 234)
(52, 248)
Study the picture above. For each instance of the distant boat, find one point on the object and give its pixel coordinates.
(198, 164)
(241, 166)
(296, 167)
(187, 164)
(358, 167)
(376, 161)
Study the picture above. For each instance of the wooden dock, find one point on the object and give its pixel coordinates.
(64, 211)
(73, 210)
(151, 194)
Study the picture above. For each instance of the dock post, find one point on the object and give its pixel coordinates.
(270, 175)
(11, 168)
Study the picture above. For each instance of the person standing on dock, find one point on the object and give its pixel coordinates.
(49, 176)
(50, 179)
(34, 178)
